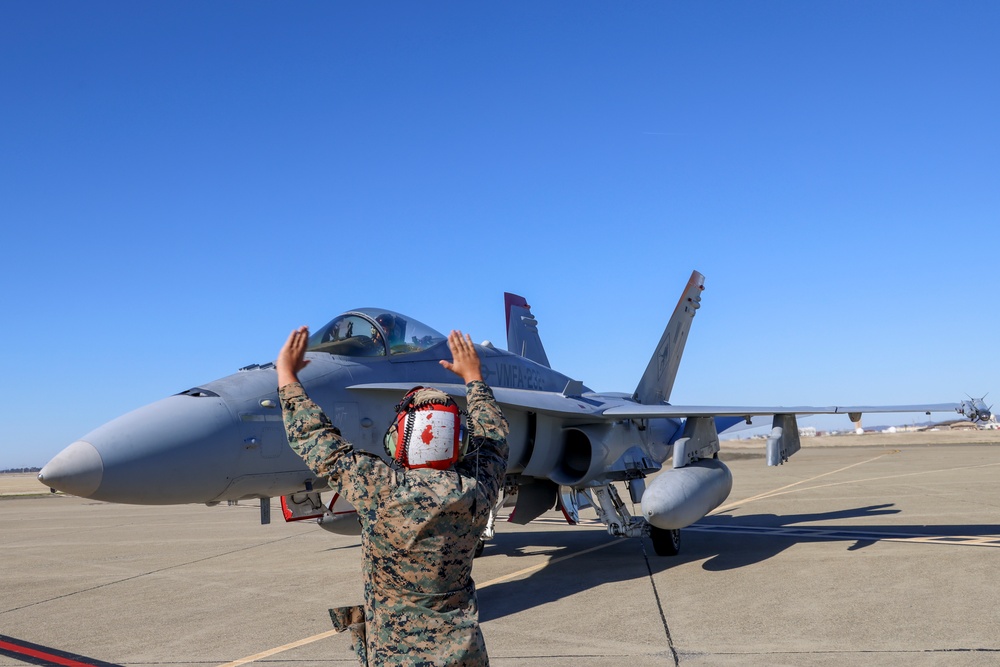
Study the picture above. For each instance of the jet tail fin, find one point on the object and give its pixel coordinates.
(658, 380)
(522, 330)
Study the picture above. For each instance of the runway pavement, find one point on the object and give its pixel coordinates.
(844, 556)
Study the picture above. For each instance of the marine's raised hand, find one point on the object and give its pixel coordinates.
(291, 358)
(465, 360)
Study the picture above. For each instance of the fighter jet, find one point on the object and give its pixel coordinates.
(569, 446)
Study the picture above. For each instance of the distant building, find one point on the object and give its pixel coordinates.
(963, 426)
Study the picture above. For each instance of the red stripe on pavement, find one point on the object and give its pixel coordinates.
(39, 655)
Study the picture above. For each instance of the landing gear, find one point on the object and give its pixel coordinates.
(665, 542)
(490, 530)
(613, 513)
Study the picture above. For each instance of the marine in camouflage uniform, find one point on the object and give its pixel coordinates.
(420, 528)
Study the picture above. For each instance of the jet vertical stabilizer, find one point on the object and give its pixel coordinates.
(522, 330)
(658, 380)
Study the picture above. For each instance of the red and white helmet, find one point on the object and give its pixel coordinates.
(428, 431)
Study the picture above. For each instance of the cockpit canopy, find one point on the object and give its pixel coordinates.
(373, 332)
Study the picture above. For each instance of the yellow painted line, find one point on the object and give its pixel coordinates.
(905, 474)
(492, 582)
(280, 649)
(533, 568)
(784, 489)
(936, 539)
(767, 494)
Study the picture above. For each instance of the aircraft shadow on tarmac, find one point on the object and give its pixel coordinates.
(762, 536)
(723, 542)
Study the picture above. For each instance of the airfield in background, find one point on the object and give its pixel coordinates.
(899, 438)
(877, 549)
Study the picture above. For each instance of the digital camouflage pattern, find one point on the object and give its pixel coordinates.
(420, 529)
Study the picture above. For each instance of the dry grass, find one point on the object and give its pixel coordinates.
(21, 484)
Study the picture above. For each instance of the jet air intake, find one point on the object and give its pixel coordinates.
(571, 455)
(578, 455)
(587, 453)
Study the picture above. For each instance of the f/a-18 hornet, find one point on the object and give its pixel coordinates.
(568, 445)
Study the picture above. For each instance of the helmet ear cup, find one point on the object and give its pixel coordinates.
(464, 435)
(391, 439)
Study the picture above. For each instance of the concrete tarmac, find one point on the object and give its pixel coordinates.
(872, 555)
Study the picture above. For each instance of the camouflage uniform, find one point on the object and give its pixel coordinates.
(419, 531)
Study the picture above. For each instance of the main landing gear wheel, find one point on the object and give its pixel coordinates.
(665, 542)
(480, 545)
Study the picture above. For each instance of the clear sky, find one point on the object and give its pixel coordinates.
(182, 183)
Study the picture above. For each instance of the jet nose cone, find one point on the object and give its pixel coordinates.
(76, 470)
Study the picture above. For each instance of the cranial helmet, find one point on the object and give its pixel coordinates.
(428, 430)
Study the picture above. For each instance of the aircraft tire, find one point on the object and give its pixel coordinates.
(480, 545)
(665, 542)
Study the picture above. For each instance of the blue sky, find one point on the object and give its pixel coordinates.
(182, 183)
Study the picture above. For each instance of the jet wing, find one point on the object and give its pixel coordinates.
(639, 411)
(525, 399)
(616, 408)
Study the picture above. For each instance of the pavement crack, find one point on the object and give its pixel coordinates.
(659, 606)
